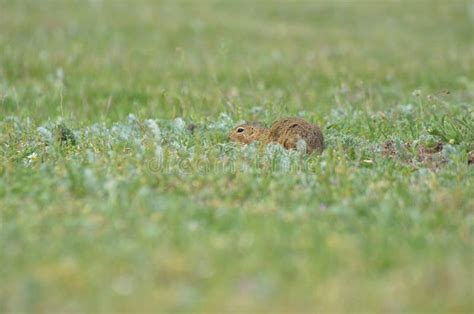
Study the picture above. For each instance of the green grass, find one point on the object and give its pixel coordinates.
(143, 215)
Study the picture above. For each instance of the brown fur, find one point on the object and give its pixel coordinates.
(247, 133)
(286, 132)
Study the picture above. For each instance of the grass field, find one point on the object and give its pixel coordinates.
(134, 213)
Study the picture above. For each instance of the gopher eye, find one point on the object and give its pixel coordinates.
(240, 130)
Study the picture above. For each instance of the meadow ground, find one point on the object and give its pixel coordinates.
(141, 214)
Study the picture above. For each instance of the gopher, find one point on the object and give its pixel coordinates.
(291, 133)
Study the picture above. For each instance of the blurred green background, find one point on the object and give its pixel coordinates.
(168, 58)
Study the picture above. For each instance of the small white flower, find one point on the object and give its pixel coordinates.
(273, 149)
(224, 122)
(450, 151)
(140, 148)
(416, 93)
(132, 118)
(285, 163)
(121, 132)
(179, 125)
(151, 124)
(301, 146)
(30, 159)
(159, 153)
(60, 74)
(408, 108)
(256, 109)
(46, 134)
(176, 145)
